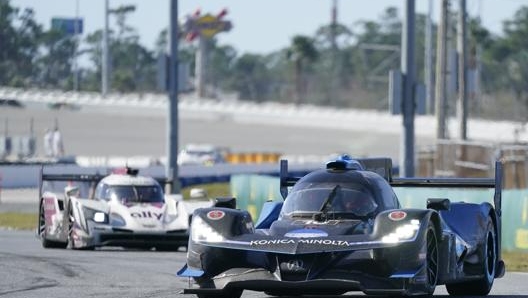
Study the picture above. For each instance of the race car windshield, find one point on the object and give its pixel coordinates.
(343, 200)
(136, 194)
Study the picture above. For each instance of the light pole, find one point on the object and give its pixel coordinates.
(429, 95)
(408, 70)
(75, 49)
(104, 62)
(462, 106)
(172, 111)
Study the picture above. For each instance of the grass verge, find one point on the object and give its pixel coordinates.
(19, 221)
(213, 190)
(515, 261)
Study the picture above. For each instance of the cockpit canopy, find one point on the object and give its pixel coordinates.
(336, 194)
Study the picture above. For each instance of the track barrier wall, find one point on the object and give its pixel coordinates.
(252, 191)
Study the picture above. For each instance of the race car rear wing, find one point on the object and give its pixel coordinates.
(91, 179)
(68, 178)
(495, 183)
(383, 166)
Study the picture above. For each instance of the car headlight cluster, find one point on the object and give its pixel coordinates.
(203, 232)
(404, 232)
(95, 215)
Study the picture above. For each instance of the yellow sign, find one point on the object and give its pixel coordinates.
(209, 25)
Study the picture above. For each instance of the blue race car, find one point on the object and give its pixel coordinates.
(341, 228)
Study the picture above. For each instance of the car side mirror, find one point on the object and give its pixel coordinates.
(225, 202)
(438, 204)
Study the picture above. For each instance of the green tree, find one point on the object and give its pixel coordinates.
(509, 58)
(250, 77)
(374, 43)
(221, 62)
(302, 52)
(329, 40)
(91, 78)
(54, 63)
(19, 33)
(133, 67)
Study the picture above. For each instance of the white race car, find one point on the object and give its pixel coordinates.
(126, 210)
(201, 154)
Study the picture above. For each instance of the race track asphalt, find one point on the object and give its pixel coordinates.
(29, 271)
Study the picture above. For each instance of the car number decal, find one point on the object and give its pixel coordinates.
(397, 215)
(215, 214)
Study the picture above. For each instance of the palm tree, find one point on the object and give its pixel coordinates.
(302, 51)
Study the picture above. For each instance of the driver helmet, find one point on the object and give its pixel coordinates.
(354, 203)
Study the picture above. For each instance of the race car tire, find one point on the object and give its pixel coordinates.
(488, 253)
(431, 259)
(42, 232)
(225, 294)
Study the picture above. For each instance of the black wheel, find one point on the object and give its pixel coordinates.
(226, 294)
(488, 255)
(43, 232)
(431, 259)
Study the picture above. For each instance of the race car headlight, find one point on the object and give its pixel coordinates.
(99, 217)
(116, 220)
(95, 215)
(203, 232)
(403, 232)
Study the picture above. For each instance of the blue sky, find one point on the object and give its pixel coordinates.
(259, 26)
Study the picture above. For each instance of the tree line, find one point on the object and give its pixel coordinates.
(339, 65)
